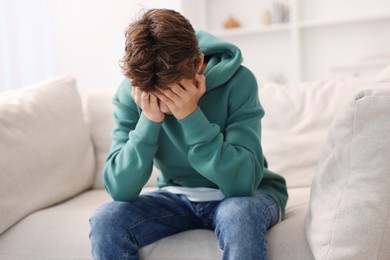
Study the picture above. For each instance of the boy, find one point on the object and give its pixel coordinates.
(189, 107)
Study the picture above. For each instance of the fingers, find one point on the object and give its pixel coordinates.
(149, 104)
(183, 91)
(153, 100)
(142, 98)
(172, 93)
(188, 85)
(165, 95)
(197, 85)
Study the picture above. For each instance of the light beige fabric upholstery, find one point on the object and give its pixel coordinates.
(384, 76)
(349, 215)
(99, 109)
(67, 227)
(46, 153)
(58, 232)
(296, 120)
(287, 240)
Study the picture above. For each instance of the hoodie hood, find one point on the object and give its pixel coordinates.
(223, 59)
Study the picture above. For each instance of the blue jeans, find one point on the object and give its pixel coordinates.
(118, 229)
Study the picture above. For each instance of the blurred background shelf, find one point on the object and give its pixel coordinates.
(242, 31)
(310, 44)
(281, 40)
(343, 21)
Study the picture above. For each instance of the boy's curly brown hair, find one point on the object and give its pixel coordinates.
(161, 48)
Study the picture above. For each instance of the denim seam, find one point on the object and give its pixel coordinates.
(153, 218)
(126, 239)
(124, 243)
(269, 207)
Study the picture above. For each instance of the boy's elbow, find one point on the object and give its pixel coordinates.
(122, 196)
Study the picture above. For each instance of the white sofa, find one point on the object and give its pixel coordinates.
(53, 145)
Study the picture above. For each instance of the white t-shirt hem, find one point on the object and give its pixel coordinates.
(198, 194)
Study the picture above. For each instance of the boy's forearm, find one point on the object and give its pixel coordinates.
(235, 169)
(129, 164)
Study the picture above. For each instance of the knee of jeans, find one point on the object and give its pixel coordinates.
(244, 210)
(105, 219)
(233, 211)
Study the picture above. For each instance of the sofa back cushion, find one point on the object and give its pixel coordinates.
(99, 111)
(350, 197)
(45, 147)
(296, 121)
(297, 117)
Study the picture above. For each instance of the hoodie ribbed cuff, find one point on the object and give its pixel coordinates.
(147, 130)
(197, 127)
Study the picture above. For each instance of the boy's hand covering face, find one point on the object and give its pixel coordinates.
(148, 102)
(182, 98)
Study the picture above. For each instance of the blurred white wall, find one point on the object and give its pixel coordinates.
(85, 38)
(81, 38)
(27, 42)
(90, 38)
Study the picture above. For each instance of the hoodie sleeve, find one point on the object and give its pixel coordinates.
(134, 145)
(232, 159)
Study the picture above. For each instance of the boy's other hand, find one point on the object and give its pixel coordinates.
(182, 98)
(148, 102)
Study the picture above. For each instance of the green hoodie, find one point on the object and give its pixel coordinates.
(217, 146)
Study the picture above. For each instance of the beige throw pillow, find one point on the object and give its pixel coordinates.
(46, 155)
(349, 215)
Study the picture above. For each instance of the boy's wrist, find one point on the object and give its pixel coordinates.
(183, 114)
(196, 125)
(154, 118)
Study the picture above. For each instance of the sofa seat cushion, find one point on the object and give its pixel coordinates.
(286, 240)
(58, 232)
(62, 231)
(46, 150)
